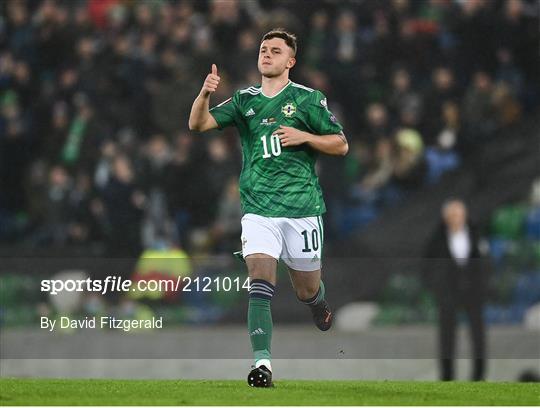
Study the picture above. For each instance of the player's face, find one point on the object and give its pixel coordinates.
(275, 57)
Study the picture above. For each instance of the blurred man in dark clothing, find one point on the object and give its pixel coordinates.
(455, 273)
(443, 89)
(123, 205)
(54, 212)
(479, 115)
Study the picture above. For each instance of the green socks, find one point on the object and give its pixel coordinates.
(260, 318)
(318, 298)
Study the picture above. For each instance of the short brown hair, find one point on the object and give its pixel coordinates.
(289, 38)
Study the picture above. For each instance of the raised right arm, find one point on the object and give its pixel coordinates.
(200, 118)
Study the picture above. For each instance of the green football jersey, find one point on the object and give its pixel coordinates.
(278, 181)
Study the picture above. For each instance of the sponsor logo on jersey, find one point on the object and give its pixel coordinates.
(323, 103)
(315, 258)
(250, 112)
(288, 109)
(268, 121)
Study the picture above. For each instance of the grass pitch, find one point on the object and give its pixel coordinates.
(286, 392)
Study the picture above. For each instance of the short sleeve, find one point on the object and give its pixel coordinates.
(321, 120)
(226, 112)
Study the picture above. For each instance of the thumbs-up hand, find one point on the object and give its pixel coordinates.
(211, 82)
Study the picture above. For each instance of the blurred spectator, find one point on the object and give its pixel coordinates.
(345, 44)
(22, 82)
(409, 167)
(83, 137)
(413, 48)
(157, 224)
(84, 226)
(448, 136)
(380, 48)
(222, 165)
(54, 216)
(378, 125)
(343, 51)
(508, 72)
(443, 155)
(248, 50)
(123, 205)
(53, 37)
(315, 43)
(53, 141)
(20, 33)
(379, 167)
(396, 166)
(443, 89)
(455, 273)
(507, 108)
(478, 109)
(90, 73)
(15, 135)
(475, 37)
(156, 157)
(226, 229)
(172, 94)
(224, 18)
(404, 102)
(186, 186)
(514, 30)
(104, 164)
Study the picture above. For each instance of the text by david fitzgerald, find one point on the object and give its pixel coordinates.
(103, 322)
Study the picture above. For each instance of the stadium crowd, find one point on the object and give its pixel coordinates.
(95, 97)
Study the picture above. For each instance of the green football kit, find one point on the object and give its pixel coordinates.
(280, 194)
(278, 181)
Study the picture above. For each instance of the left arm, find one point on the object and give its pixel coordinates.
(335, 144)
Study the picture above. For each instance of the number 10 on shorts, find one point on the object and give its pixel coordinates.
(314, 235)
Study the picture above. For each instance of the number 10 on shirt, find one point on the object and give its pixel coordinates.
(275, 146)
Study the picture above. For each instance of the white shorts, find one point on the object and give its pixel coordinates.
(297, 241)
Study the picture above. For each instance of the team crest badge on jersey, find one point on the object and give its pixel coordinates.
(288, 109)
